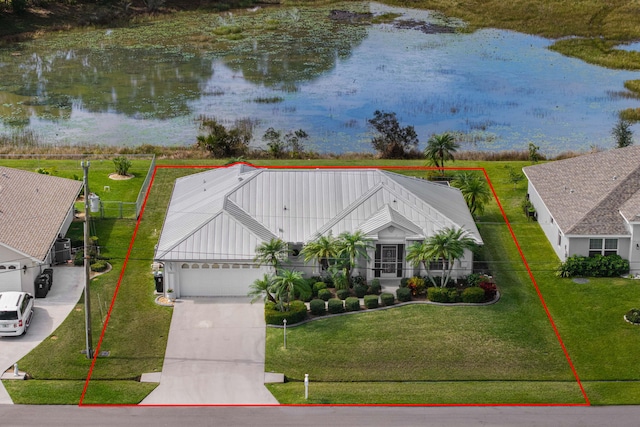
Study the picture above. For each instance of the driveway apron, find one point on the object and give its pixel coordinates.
(215, 354)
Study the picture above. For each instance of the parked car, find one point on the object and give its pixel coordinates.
(16, 311)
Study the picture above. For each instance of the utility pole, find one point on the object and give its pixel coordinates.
(87, 262)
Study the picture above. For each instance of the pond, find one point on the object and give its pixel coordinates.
(290, 69)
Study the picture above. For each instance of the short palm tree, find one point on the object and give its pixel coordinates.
(288, 283)
(474, 190)
(440, 148)
(324, 249)
(262, 288)
(420, 253)
(449, 245)
(272, 253)
(353, 245)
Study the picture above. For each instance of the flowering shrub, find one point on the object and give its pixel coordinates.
(417, 286)
(490, 290)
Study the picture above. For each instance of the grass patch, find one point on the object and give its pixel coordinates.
(630, 114)
(599, 52)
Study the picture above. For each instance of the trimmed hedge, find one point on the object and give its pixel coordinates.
(99, 266)
(473, 295)
(360, 290)
(633, 316)
(439, 294)
(375, 287)
(597, 266)
(342, 293)
(317, 286)
(404, 282)
(317, 307)
(387, 299)
(335, 306)
(352, 304)
(296, 314)
(371, 301)
(324, 294)
(403, 294)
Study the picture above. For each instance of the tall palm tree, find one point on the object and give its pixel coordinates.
(286, 284)
(272, 253)
(324, 249)
(353, 245)
(449, 245)
(474, 190)
(440, 148)
(262, 288)
(421, 253)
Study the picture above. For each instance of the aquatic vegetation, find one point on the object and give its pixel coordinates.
(268, 100)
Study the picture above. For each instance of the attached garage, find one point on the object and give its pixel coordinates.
(217, 279)
(10, 277)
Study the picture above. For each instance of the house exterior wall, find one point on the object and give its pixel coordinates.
(549, 226)
(27, 277)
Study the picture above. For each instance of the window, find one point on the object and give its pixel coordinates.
(603, 247)
(439, 264)
(559, 238)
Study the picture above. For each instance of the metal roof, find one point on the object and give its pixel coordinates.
(33, 208)
(225, 213)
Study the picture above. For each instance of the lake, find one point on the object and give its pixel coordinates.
(298, 69)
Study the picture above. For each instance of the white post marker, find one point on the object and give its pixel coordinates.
(285, 332)
(16, 373)
(306, 386)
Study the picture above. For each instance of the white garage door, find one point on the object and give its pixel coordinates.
(211, 280)
(10, 279)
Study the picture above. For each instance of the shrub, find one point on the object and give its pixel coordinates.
(439, 294)
(633, 315)
(454, 295)
(387, 299)
(297, 313)
(473, 279)
(324, 294)
(317, 307)
(78, 258)
(317, 286)
(404, 282)
(371, 301)
(417, 286)
(597, 266)
(359, 280)
(352, 304)
(335, 306)
(122, 165)
(329, 281)
(360, 290)
(342, 293)
(490, 290)
(375, 287)
(99, 266)
(403, 294)
(473, 295)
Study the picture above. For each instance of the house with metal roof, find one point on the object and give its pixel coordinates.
(216, 219)
(590, 204)
(36, 211)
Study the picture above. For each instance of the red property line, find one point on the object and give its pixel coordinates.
(424, 168)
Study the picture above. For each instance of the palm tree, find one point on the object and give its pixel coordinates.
(262, 288)
(272, 253)
(287, 283)
(474, 190)
(353, 246)
(440, 148)
(449, 245)
(324, 249)
(421, 253)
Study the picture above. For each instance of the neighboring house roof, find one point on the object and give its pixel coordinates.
(33, 208)
(225, 213)
(591, 194)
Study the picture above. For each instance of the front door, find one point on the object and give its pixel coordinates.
(388, 262)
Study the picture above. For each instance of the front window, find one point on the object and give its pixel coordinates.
(603, 247)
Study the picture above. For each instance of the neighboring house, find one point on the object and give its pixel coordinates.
(36, 210)
(215, 220)
(590, 204)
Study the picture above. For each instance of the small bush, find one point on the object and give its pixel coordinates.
(329, 281)
(417, 286)
(633, 315)
(454, 295)
(439, 294)
(387, 299)
(375, 287)
(359, 280)
(122, 165)
(473, 295)
(335, 306)
(99, 266)
(473, 279)
(352, 304)
(78, 258)
(404, 282)
(317, 286)
(324, 294)
(317, 307)
(371, 301)
(597, 266)
(403, 294)
(297, 313)
(360, 290)
(342, 293)
(490, 290)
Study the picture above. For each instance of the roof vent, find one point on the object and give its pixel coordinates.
(615, 177)
(571, 191)
(239, 178)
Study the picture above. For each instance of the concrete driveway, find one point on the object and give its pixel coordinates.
(215, 354)
(48, 314)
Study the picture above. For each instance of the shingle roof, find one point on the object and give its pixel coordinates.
(297, 206)
(33, 208)
(591, 194)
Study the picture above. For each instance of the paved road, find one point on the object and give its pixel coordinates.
(215, 354)
(54, 416)
(49, 312)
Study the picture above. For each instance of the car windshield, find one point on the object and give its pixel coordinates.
(9, 315)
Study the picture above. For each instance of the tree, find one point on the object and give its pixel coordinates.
(261, 288)
(534, 155)
(449, 245)
(353, 245)
(420, 253)
(440, 148)
(622, 133)
(515, 177)
(287, 284)
(272, 253)
(394, 142)
(324, 249)
(221, 142)
(474, 189)
(122, 165)
(292, 146)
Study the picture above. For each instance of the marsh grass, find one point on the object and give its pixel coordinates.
(598, 51)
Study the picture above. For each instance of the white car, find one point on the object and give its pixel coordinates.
(16, 311)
